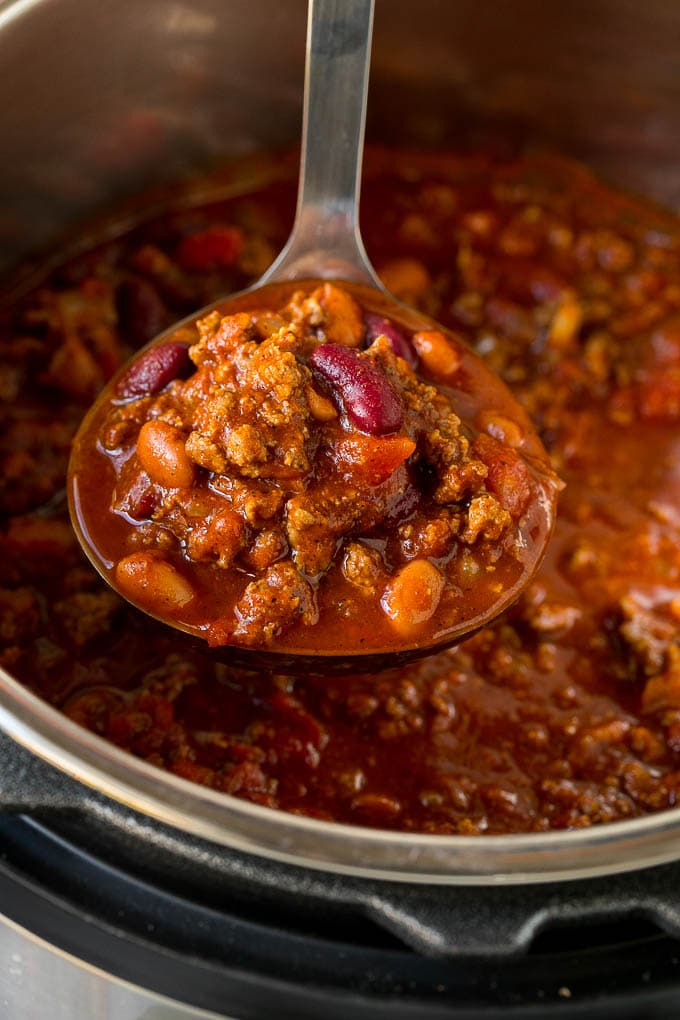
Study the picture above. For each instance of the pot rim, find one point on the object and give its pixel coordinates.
(324, 846)
(227, 821)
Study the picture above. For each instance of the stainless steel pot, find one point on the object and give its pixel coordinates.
(104, 99)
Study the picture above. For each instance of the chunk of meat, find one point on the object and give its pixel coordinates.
(426, 536)
(647, 634)
(271, 604)
(268, 546)
(219, 538)
(486, 518)
(19, 615)
(87, 615)
(319, 517)
(253, 414)
(363, 566)
(662, 692)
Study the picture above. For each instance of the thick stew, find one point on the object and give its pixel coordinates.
(296, 474)
(565, 712)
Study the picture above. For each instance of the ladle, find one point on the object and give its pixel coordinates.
(325, 243)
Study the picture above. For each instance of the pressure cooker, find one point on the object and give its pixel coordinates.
(127, 893)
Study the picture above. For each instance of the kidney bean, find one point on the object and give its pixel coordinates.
(362, 386)
(377, 325)
(162, 454)
(152, 582)
(153, 370)
(139, 498)
(412, 596)
(142, 315)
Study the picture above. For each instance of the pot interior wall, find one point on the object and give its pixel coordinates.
(117, 96)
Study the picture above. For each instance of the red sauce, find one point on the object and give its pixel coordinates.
(564, 713)
(301, 474)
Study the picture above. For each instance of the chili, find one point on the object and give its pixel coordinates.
(564, 713)
(285, 478)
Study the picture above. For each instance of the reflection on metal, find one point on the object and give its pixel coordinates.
(88, 123)
(39, 982)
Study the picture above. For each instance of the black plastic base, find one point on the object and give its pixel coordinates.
(249, 960)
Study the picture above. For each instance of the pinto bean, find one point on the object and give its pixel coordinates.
(379, 808)
(407, 279)
(412, 596)
(341, 315)
(566, 323)
(362, 386)
(437, 353)
(151, 582)
(162, 453)
(319, 407)
(502, 428)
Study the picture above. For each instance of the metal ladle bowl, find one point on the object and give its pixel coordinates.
(325, 243)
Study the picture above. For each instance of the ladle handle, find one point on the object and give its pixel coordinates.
(325, 241)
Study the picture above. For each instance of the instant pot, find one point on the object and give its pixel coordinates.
(129, 894)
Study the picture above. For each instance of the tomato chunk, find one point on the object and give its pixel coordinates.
(216, 247)
(508, 477)
(371, 460)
